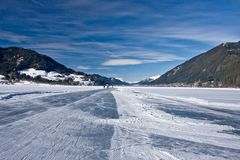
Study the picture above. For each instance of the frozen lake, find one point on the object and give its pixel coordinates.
(65, 122)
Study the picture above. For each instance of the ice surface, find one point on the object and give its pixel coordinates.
(73, 122)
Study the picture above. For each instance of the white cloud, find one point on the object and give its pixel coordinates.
(37, 3)
(162, 58)
(121, 62)
(83, 67)
(210, 34)
(12, 37)
(54, 46)
(141, 58)
(103, 68)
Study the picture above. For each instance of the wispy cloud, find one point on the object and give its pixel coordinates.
(141, 58)
(121, 62)
(211, 34)
(53, 46)
(12, 37)
(83, 68)
(39, 3)
(146, 56)
(99, 34)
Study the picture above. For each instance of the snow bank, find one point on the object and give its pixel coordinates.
(31, 87)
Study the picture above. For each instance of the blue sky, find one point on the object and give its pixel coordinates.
(129, 39)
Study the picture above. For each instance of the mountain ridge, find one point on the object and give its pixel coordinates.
(219, 66)
(18, 63)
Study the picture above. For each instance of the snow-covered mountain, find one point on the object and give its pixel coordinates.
(148, 80)
(153, 78)
(18, 64)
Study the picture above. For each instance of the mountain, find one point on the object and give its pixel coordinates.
(14, 59)
(148, 80)
(101, 80)
(24, 64)
(219, 66)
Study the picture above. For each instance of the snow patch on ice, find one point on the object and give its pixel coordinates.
(203, 102)
(140, 118)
